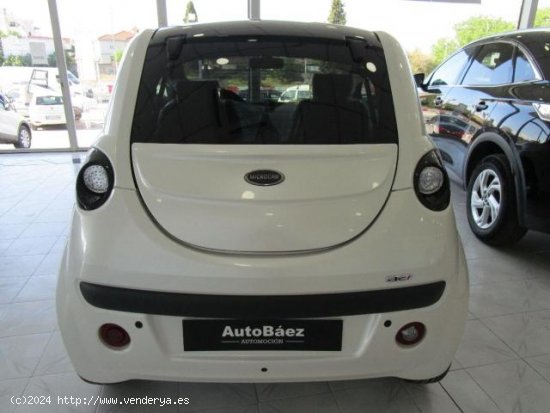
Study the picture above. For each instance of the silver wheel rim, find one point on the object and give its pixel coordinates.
(24, 137)
(486, 199)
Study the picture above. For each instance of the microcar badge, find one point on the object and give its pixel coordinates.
(398, 278)
(264, 177)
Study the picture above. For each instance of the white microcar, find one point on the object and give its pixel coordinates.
(231, 239)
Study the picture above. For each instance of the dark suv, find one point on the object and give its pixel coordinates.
(487, 108)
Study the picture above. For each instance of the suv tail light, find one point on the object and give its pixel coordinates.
(431, 182)
(95, 181)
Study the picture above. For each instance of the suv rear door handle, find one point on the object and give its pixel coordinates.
(438, 101)
(481, 106)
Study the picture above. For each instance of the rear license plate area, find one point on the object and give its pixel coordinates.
(245, 335)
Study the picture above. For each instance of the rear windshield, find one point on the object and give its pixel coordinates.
(49, 100)
(264, 91)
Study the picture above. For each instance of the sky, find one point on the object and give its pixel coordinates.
(416, 24)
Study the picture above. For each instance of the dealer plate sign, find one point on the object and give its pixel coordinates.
(220, 335)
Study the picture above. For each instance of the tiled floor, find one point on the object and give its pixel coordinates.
(503, 363)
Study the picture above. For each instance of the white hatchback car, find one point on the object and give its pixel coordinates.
(214, 241)
(46, 109)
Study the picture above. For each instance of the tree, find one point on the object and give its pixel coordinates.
(480, 26)
(69, 59)
(542, 19)
(26, 59)
(118, 56)
(13, 60)
(421, 62)
(3, 35)
(442, 49)
(467, 31)
(191, 15)
(52, 60)
(337, 14)
(10, 33)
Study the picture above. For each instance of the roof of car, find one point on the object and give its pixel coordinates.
(260, 28)
(525, 36)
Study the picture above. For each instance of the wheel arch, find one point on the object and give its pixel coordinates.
(490, 143)
(25, 124)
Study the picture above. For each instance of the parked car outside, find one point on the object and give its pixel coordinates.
(211, 242)
(14, 128)
(500, 87)
(266, 94)
(295, 93)
(21, 83)
(16, 95)
(46, 109)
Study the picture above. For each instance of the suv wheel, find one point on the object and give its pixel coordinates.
(491, 206)
(23, 137)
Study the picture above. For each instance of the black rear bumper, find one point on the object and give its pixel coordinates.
(262, 306)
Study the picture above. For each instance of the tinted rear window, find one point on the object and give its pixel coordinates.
(277, 90)
(49, 100)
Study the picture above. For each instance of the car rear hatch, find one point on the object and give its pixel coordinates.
(50, 107)
(220, 172)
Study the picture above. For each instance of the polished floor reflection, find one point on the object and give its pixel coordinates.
(502, 365)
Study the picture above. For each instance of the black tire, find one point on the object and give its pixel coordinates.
(24, 137)
(499, 226)
(431, 380)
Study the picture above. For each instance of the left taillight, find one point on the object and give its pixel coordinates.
(95, 181)
(431, 182)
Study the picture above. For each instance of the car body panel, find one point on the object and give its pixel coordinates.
(330, 193)
(10, 122)
(428, 250)
(9, 125)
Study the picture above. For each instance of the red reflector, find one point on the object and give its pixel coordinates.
(114, 336)
(410, 333)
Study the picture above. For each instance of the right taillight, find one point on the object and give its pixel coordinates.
(95, 181)
(431, 182)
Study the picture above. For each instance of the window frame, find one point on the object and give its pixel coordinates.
(475, 55)
(516, 46)
(530, 61)
(460, 73)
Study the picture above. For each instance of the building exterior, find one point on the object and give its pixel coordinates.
(10, 23)
(39, 47)
(106, 49)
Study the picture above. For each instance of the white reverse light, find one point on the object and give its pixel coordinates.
(96, 179)
(430, 180)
